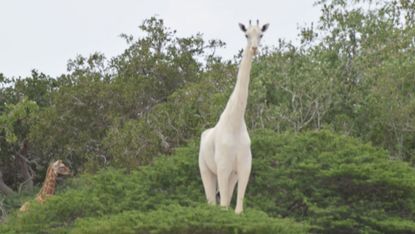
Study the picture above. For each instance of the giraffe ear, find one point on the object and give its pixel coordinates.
(242, 27)
(265, 27)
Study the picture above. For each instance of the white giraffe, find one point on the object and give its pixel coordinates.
(225, 150)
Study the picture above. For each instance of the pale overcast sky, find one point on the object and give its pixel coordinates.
(44, 34)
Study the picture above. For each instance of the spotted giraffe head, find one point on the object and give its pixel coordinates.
(59, 168)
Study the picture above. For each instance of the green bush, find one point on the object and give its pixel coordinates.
(334, 183)
(178, 219)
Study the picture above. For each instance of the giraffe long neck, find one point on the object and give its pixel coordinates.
(49, 185)
(235, 108)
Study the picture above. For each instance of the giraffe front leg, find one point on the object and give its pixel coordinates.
(209, 183)
(225, 159)
(223, 182)
(224, 162)
(208, 177)
(244, 171)
(233, 178)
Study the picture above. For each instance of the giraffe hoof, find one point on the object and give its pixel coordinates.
(238, 211)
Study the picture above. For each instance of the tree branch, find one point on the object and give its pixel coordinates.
(6, 190)
(24, 166)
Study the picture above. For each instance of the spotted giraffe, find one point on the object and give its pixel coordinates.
(48, 189)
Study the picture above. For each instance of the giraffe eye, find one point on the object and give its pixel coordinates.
(246, 35)
(260, 36)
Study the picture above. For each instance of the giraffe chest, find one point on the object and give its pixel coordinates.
(232, 140)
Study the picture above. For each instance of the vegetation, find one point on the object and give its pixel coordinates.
(332, 123)
(325, 182)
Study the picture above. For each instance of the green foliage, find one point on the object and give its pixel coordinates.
(334, 183)
(15, 119)
(72, 129)
(370, 50)
(289, 91)
(186, 113)
(99, 98)
(15, 123)
(352, 74)
(177, 219)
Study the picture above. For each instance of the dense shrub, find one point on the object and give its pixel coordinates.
(177, 219)
(334, 183)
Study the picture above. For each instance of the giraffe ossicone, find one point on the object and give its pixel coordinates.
(225, 157)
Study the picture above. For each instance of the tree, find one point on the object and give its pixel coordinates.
(15, 122)
(99, 97)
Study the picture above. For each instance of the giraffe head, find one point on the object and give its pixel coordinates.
(60, 169)
(253, 34)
